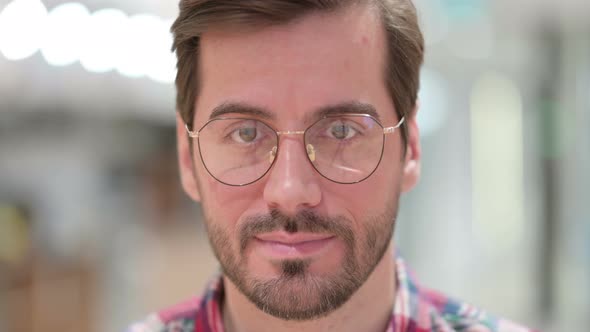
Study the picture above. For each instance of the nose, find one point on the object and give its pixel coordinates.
(292, 182)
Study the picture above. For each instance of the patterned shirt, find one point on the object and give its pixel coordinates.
(416, 309)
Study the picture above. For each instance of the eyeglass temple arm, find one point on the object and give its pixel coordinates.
(193, 134)
(390, 130)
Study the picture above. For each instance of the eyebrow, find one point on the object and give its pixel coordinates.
(350, 107)
(241, 109)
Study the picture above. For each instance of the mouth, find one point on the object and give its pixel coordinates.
(282, 245)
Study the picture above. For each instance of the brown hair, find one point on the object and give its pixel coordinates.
(404, 39)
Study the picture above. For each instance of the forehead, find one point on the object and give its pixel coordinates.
(293, 69)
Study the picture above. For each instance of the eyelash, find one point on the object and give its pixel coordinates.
(235, 128)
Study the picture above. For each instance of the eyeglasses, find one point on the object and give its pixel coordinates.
(345, 149)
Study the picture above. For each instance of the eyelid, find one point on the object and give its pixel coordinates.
(353, 129)
(350, 123)
(262, 130)
(240, 123)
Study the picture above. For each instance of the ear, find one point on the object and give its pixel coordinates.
(186, 159)
(411, 171)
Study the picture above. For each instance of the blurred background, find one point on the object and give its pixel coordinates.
(94, 229)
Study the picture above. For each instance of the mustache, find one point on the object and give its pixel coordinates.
(304, 221)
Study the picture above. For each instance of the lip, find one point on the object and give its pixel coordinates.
(292, 238)
(283, 245)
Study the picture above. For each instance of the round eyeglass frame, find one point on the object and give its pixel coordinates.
(386, 130)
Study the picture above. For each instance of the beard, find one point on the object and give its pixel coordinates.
(297, 293)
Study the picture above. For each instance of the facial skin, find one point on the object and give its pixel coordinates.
(292, 71)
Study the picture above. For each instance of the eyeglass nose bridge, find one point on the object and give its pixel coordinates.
(291, 132)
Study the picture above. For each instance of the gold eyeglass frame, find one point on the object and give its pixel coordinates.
(308, 147)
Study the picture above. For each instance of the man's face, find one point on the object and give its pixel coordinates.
(295, 243)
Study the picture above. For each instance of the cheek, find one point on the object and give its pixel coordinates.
(225, 205)
(369, 197)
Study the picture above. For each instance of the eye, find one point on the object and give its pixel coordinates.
(341, 130)
(245, 134)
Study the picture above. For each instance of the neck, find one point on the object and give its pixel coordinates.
(369, 308)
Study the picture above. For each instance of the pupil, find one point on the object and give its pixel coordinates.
(248, 134)
(340, 131)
